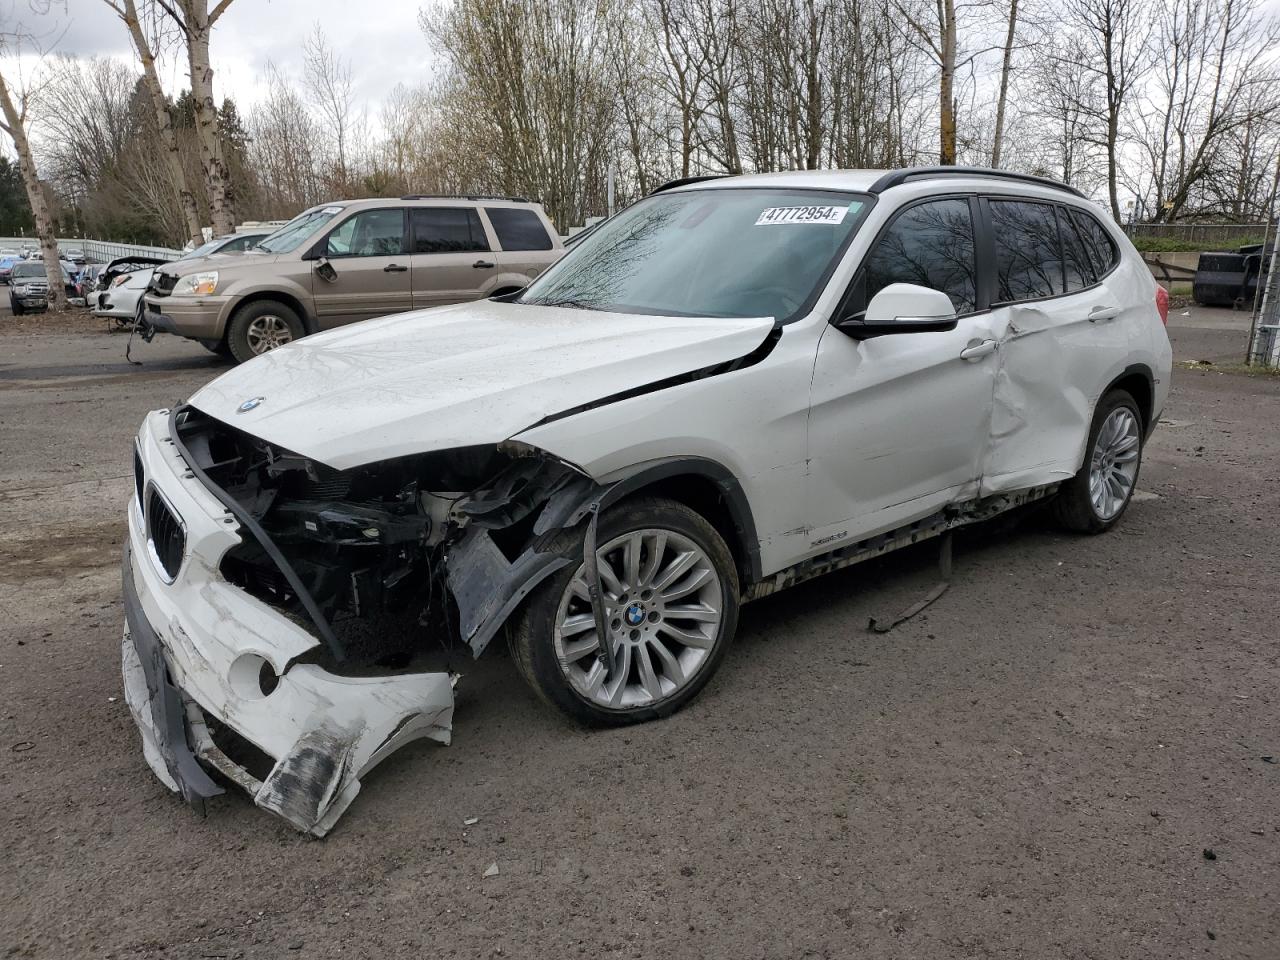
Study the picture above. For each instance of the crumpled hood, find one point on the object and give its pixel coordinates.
(455, 376)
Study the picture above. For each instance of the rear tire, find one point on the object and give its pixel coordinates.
(656, 672)
(1094, 500)
(261, 326)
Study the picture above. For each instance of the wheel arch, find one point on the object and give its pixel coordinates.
(710, 489)
(288, 299)
(1138, 380)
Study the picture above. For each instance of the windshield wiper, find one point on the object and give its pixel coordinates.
(564, 302)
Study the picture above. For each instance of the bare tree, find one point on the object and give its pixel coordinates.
(15, 105)
(1212, 76)
(328, 81)
(997, 141)
(144, 34)
(526, 95)
(196, 21)
(1113, 48)
(283, 151)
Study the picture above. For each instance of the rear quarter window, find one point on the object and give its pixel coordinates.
(518, 229)
(1101, 249)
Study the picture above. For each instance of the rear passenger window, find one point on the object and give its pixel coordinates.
(518, 229)
(447, 230)
(1028, 257)
(930, 244)
(1100, 247)
(1075, 254)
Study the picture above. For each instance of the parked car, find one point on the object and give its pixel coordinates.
(29, 288)
(343, 262)
(6, 266)
(730, 387)
(229, 243)
(73, 254)
(122, 265)
(89, 278)
(122, 300)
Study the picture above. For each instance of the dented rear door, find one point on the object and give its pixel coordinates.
(1062, 332)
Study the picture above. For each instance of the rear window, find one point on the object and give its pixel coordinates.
(518, 229)
(447, 230)
(1028, 255)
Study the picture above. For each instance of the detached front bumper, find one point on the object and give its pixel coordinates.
(197, 648)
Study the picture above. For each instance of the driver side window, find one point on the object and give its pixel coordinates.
(930, 244)
(370, 233)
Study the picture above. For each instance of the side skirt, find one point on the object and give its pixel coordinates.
(934, 525)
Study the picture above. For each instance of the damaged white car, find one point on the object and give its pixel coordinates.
(732, 386)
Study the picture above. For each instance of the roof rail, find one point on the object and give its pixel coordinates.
(896, 178)
(454, 196)
(684, 181)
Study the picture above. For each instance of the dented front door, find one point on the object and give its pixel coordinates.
(898, 426)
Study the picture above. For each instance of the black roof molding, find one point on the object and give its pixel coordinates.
(672, 184)
(896, 178)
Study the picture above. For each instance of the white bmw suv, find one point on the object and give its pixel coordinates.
(731, 386)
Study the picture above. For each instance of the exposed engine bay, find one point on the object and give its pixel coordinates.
(379, 557)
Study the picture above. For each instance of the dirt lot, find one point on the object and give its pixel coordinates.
(1072, 754)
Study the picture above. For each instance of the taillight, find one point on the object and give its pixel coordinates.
(1162, 304)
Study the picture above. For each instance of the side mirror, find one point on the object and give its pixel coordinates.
(902, 308)
(324, 270)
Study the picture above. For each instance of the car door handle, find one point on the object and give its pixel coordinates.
(482, 265)
(978, 350)
(394, 268)
(1103, 313)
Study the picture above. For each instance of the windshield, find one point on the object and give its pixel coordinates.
(736, 252)
(294, 233)
(203, 250)
(29, 269)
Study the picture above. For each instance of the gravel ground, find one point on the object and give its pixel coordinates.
(1072, 754)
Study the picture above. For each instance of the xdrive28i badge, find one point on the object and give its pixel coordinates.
(250, 404)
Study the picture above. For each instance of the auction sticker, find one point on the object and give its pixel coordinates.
(778, 215)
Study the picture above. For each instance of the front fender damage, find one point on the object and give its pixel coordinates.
(387, 565)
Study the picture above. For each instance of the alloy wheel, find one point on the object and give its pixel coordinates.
(1113, 467)
(267, 332)
(663, 608)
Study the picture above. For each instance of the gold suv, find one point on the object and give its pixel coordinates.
(352, 260)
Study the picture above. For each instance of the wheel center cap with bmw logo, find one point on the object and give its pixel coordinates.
(634, 615)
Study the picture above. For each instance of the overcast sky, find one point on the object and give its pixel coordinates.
(381, 38)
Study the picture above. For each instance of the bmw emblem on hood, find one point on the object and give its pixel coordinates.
(250, 404)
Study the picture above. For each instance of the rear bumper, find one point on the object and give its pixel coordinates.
(194, 650)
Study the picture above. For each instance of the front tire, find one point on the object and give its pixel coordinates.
(670, 588)
(1094, 500)
(261, 326)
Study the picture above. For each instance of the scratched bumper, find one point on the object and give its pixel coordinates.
(196, 649)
